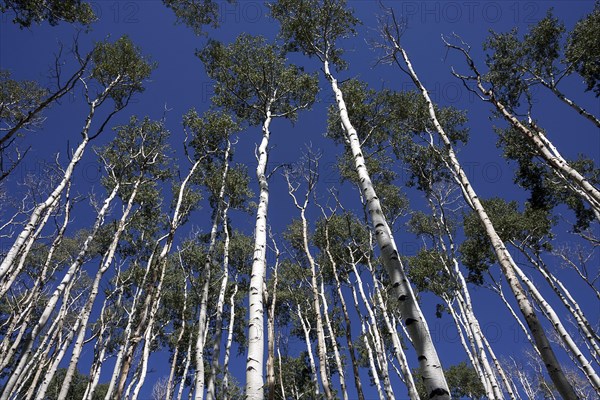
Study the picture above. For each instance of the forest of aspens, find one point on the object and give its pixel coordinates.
(299, 199)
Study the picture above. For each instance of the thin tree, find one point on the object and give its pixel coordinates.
(253, 81)
(314, 27)
(392, 33)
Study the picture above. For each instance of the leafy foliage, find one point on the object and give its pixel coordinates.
(121, 67)
(314, 27)
(547, 190)
(253, 78)
(530, 227)
(195, 13)
(583, 49)
(28, 12)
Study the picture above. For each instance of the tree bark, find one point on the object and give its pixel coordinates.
(504, 258)
(431, 368)
(256, 340)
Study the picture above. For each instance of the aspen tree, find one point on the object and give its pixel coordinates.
(313, 27)
(576, 181)
(254, 82)
(398, 55)
(540, 57)
(309, 174)
(120, 69)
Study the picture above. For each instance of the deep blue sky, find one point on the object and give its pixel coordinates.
(180, 83)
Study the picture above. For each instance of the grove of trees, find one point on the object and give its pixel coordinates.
(304, 229)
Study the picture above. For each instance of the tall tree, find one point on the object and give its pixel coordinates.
(392, 34)
(121, 70)
(254, 82)
(314, 27)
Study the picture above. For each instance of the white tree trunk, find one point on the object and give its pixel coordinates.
(433, 374)
(406, 374)
(313, 367)
(51, 304)
(379, 349)
(336, 351)
(174, 363)
(321, 347)
(272, 302)
(338, 286)
(228, 343)
(562, 332)
(504, 258)
(256, 332)
(42, 208)
(211, 386)
(87, 310)
(372, 367)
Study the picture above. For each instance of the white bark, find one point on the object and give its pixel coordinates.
(104, 265)
(256, 340)
(186, 368)
(336, 351)
(433, 375)
(406, 374)
(42, 208)
(347, 329)
(379, 349)
(568, 301)
(372, 367)
(229, 341)
(321, 347)
(311, 358)
(51, 304)
(148, 339)
(578, 183)
(272, 301)
(591, 375)
(504, 257)
(211, 386)
(174, 363)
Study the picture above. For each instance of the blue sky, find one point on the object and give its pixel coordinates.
(180, 83)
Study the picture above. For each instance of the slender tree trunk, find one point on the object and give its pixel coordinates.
(379, 349)
(372, 367)
(256, 340)
(348, 331)
(271, 329)
(431, 368)
(51, 304)
(87, 310)
(590, 336)
(546, 150)
(11, 343)
(41, 209)
(149, 337)
(211, 386)
(580, 110)
(281, 375)
(311, 358)
(49, 374)
(336, 351)
(321, 347)
(504, 258)
(471, 324)
(101, 344)
(186, 368)
(406, 374)
(225, 389)
(562, 332)
(174, 363)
